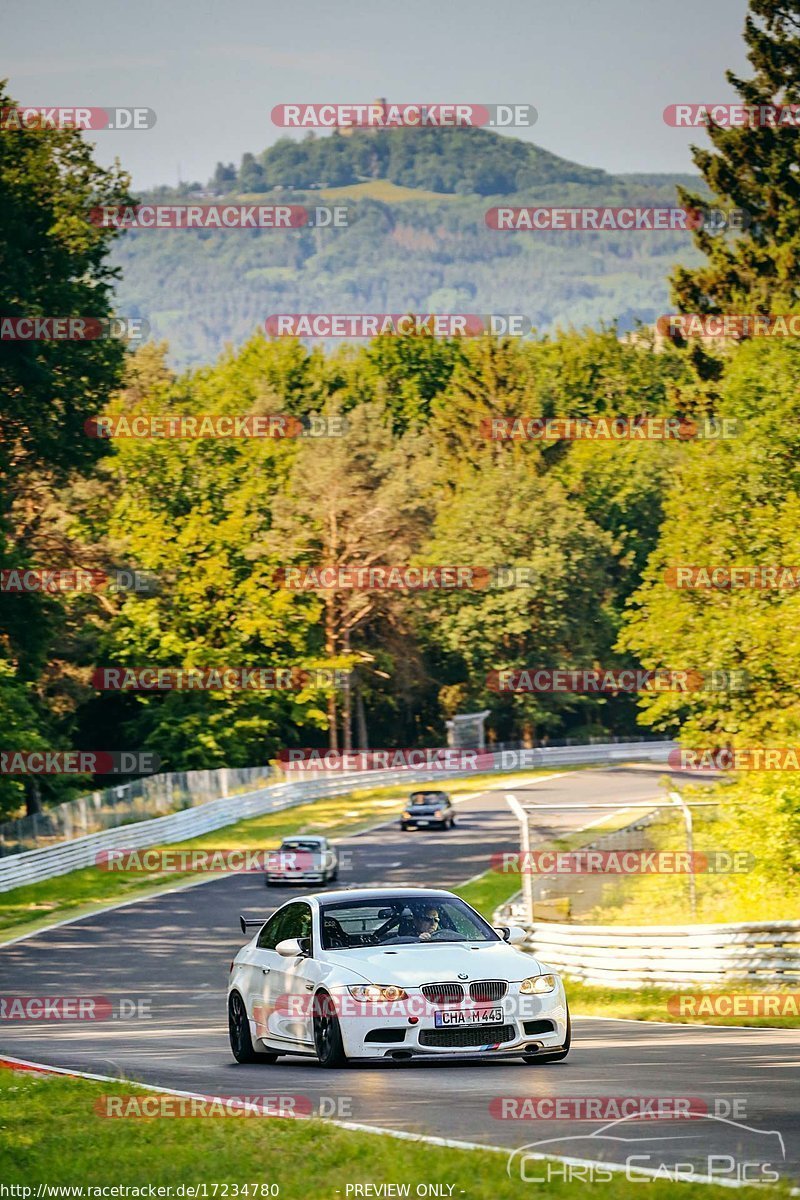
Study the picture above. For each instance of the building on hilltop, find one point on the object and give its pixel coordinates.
(347, 129)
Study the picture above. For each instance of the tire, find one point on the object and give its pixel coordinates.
(327, 1033)
(404, 827)
(558, 1055)
(239, 1034)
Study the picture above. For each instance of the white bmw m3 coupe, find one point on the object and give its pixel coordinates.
(393, 973)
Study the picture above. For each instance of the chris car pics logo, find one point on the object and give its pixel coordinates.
(712, 1149)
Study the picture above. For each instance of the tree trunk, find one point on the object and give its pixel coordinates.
(361, 717)
(330, 650)
(33, 796)
(347, 704)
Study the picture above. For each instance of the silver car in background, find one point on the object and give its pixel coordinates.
(305, 858)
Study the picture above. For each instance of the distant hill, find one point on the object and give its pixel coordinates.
(459, 161)
(417, 240)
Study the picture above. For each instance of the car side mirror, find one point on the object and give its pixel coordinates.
(293, 948)
(513, 934)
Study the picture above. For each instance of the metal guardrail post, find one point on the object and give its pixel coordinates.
(678, 799)
(525, 846)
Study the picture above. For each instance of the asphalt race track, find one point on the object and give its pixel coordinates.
(173, 950)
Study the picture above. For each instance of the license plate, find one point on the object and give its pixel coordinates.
(475, 1016)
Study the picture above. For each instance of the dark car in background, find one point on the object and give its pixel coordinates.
(428, 808)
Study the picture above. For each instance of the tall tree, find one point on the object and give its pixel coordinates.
(504, 517)
(756, 169)
(357, 501)
(53, 263)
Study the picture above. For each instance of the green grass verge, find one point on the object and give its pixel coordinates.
(25, 909)
(53, 1135)
(652, 1004)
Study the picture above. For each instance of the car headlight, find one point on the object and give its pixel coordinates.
(376, 993)
(439, 816)
(535, 985)
(406, 814)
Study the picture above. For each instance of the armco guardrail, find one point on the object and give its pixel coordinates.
(34, 865)
(677, 956)
(125, 803)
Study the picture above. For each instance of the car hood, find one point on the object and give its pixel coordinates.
(438, 962)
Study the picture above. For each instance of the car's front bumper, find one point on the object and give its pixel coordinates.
(423, 822)
(545, 1017)
(297, 877)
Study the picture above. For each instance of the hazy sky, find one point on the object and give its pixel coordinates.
(600, 72)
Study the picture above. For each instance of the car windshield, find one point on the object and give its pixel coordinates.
(310, 847)
(436, 798)
(401, 921)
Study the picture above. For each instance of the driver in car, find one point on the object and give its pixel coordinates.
(426, 923)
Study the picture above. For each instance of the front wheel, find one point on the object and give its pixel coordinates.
(239, 1033)
(556, 1056)
(327, 1033)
